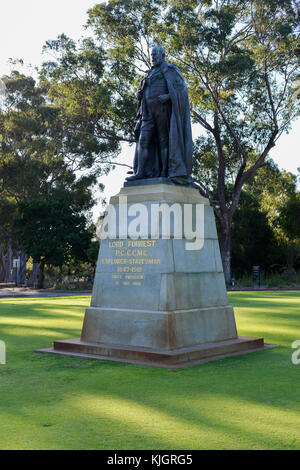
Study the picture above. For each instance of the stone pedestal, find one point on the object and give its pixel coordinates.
(154, 301)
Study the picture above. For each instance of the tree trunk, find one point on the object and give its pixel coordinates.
(225, 248)
(41, 275)
(35, 272)
(22, 272)
(9, 277)
(3, 264)
(29, 281)
(32, 281)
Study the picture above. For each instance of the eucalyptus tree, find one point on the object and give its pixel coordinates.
(240, 59)
(33, 164)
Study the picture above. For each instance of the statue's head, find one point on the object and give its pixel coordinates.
(158, 55)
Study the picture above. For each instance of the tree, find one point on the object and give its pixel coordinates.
(36, 151)
(288, 223)
(289, 217)
(253, 240)
(240, 59)
(96, 108)
(51, 231)
(273, 188)
(256, 223)
(7, 239)
(33, 161)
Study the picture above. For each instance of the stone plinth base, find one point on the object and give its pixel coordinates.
(158, 298)
(172, 359)
(158, 330)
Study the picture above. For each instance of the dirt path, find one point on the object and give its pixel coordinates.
(25, 292)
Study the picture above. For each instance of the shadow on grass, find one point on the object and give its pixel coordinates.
(248, 401)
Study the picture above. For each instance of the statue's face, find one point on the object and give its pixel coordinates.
(156, 56)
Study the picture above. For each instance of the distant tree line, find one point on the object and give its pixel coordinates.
(58, 134)
(44, 205)
(266, 225)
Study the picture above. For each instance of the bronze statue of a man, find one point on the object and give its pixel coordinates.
(164, 138)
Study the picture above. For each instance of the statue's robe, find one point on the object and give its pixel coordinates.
(180, 135)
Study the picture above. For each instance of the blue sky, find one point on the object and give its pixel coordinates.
(26, 25)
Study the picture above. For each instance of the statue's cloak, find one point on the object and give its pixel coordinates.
(180, 135)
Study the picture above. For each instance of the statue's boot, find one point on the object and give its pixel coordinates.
(135, 177)
(141, 166)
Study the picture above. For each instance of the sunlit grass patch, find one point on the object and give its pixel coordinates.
(243, 402)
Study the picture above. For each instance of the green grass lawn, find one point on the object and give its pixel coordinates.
(244, 402)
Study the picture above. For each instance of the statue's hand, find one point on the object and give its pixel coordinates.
(164, 98)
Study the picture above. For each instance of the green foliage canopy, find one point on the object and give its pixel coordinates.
(51, 230)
